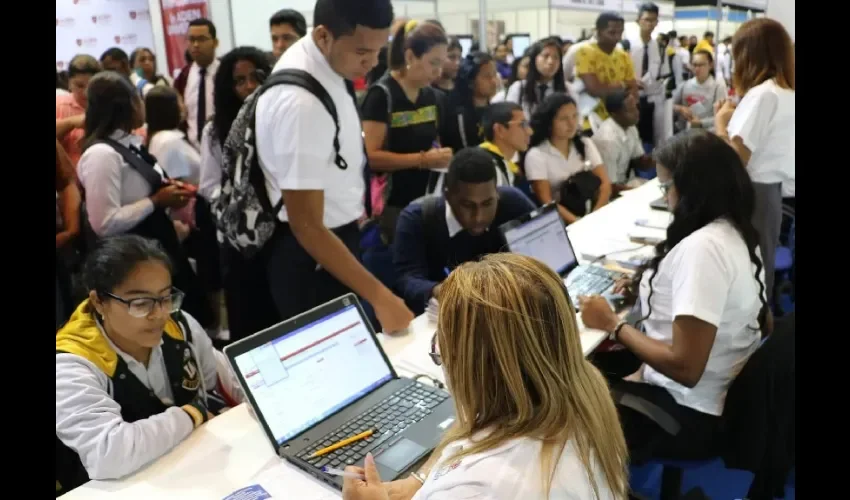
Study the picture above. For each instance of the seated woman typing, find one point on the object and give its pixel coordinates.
(560, 159)
(133, 373)
(534, 418)
(702, 299)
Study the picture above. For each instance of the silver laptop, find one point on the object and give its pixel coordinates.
(541, 234)
(321, 377)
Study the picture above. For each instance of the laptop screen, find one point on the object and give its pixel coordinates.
(302, 377)
(544, 238)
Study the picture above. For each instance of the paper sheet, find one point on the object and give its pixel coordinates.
(283, 481)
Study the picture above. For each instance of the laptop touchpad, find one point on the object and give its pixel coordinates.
(400, 455)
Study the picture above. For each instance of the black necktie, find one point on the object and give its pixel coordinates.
(543, 88)
(202, 102)
(645, 64)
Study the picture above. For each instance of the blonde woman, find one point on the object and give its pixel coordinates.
(534, 418)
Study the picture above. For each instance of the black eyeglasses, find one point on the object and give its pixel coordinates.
(435, 356)
(665, 186)
(142, 307)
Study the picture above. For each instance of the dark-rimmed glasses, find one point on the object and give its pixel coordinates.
(142, 307)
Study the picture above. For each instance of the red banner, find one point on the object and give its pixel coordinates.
(176, 15)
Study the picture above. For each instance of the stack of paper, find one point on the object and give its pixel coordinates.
(432, 309)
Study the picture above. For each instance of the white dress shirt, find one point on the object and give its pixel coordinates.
(117, 197)
(295, 135)
(509, 472)
(190, 98)
(618, 147)
(546, 163)
(89, 421)
(176, 156)
(636, 51)
(211, 164)
(707, 275)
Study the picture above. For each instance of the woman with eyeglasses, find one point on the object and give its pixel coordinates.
(535, 419)
(702, 301)
(134, 375)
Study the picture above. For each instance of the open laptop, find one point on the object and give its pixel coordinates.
(321, 377)
(541, 234)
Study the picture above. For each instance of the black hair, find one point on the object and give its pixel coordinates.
(62, 80)
(454, 44)
(162, 110)
(342, 17)
(472, 166)
(111, 99)
(647, 7)
(83, 64)
(532, 79)
(291, 17)
(498, 113)
(615, 101)
(712, 184)
(727, 40)
(135, 54)
(116, 54)
(627, 45)
(115, 258)
(544, 116)
(202, 21)
(673, 34)
(515, 68)
(606, 18)
(470, 66)
(708, 34)
(381, 68)
(556, 38)
(420, 39)
(437, 22)
(227, 103)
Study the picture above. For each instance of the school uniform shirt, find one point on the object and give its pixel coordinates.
(700, 97)
(411, 128)
(637, 50)
(89, 420)
(516, 94)
(190, 98)
(117, 197)
(211, 164)
(176, 156)
(295, 135)
(610, 68)
(709, 276)
(617, 147)
(546, 163)
(764, 120)
(510, 471)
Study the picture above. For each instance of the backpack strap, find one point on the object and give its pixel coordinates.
(429, 217)
(382, 85)
(140, 160)
(180, 318)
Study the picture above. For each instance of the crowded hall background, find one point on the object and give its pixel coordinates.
(374, 250)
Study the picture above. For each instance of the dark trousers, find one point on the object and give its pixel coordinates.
(295, 283)
(768, 222)
(698, 437)
(646, 121)
(250, 307)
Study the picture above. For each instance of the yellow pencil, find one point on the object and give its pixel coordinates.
(344, 442)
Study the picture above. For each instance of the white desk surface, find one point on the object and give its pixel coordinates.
(228, 452)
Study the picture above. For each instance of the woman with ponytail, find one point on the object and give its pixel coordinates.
(702, 299)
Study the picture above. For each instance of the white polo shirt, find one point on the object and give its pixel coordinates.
(618, 147)
(636, 52)
(764, 120)
(295, 136)
(546, 163)
(707, 275)
(509, 472)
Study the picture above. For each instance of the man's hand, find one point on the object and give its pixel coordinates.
(392, 313)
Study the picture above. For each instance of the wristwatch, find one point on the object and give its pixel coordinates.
(419, 477)
(613, 334)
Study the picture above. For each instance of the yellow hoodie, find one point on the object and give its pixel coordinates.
(81, 336)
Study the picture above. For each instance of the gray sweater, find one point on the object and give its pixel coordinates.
(706, 93)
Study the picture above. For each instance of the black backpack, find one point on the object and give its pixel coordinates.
(243, 213)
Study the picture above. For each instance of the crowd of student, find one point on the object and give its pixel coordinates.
(179, 199)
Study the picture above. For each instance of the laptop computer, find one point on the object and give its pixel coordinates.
(541, 234)
(322, 377)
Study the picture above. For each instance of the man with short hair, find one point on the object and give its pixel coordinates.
(312, 256)
(436, 233)
(619, 143)
(196, 81)
(115, 59)
(646, 58)
(286, 26)
(506, 133)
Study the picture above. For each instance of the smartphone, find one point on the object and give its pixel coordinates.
(185, 185)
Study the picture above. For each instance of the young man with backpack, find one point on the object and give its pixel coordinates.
(311, 166)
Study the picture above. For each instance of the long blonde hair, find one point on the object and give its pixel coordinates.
(514, 363)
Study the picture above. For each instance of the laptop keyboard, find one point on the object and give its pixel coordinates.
(592, 280)
(387, 418)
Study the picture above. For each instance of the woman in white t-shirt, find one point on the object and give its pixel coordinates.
(761, 127)
(558, 152)
(535, 419)
(702, 299)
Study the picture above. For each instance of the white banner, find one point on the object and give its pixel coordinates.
(92, 26)
(597, 5)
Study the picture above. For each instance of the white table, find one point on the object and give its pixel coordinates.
(228, 452)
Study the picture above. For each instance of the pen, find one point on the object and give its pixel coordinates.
(339, 472)
(344, 442)
(447, 271)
